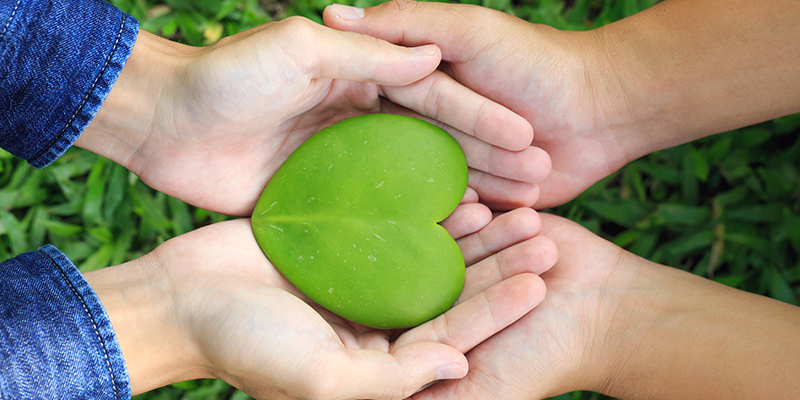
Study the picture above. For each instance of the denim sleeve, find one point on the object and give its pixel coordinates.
(56, 341)
(58, 60)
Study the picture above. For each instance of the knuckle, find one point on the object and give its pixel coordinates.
(480, 116)
(383, 55)
(299, 29)
(441, 329)
(433, 100)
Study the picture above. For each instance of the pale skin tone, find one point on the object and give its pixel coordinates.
(623, 326)
(211, 125)
(597, 100)
(209, 304)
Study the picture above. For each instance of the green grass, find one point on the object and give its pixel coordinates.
(725, 207)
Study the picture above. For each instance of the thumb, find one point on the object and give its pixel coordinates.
(374, 374)
(453, 27)
(327, 53)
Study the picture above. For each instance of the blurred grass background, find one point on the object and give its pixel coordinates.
(725, 207)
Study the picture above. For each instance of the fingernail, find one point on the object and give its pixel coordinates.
(451, 371)
(426, 50)
(347, 13)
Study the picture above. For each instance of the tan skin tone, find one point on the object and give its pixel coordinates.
(612, 322)
(597, 100)
(620, 325)
(209, 304)
(211, 125)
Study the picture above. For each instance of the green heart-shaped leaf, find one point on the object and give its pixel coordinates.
(351, 219)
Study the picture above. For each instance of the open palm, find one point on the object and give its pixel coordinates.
(263, 336)
(550, 348)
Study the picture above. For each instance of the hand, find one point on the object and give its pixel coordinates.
(544, 75)
(620, 325)
(211, 125)
(209, 304)
(598, 99)
(548, 350)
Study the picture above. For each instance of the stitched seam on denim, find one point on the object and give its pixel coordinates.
(5, 28)
(91, 89)
(91, 318)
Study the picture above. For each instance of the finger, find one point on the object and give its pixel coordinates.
(475, 320)
(467, 219)
(440, 97)
(501, 193)
(375, 374)
(470, 196)
(326, 53)
(503, 231)
(531, 164)
(536, 256)
(413, 23)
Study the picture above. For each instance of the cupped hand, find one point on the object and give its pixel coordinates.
(620, 325)
(231, 315)
(566, 342)
(211, 125)
(561, 82)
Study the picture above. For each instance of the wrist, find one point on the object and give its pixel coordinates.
(690, 69)
(678, 335)
(621, 95)
(136, 109)
(630, 299)
(138, 300)
(640, 300)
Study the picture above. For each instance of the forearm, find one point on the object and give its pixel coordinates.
(692, 68)
(138, 299)
(138, 105)
(691, 338)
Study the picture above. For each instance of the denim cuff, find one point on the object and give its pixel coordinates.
(56, 340)
(58, 61)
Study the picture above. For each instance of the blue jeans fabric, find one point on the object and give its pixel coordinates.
(56, 341)
(58, 60)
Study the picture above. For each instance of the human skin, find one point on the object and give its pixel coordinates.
(612, 322)
(617, 324)
(211, 125)
(681, 70)
(208, 304)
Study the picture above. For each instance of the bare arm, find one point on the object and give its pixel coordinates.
(691, 338)
(690, 69)
(620, 325)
